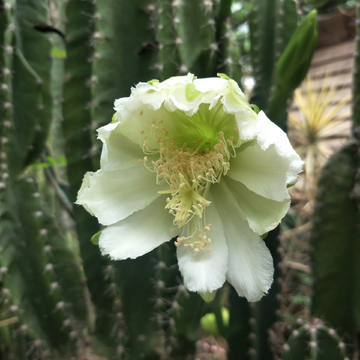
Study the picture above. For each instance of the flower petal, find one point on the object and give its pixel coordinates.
(268, 166)
(212, 84)
(170, 93)
(136, 118)
(118, 151)
(233, 101)
(113, 195)
(205, 271)
(263, 172)
(150, 103)
(139, 233)
(250, 265)
(150, 95)
(267, 134)
(261, 213)
(84, 185)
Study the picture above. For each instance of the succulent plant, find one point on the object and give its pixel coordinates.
(59, 298)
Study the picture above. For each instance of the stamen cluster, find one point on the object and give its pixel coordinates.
(198, 244)
(189, 172)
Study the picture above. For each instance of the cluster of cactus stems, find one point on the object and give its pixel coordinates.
(59, 298)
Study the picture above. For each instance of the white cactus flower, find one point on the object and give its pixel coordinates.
(189, 157)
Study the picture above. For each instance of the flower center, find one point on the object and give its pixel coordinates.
(189, 172)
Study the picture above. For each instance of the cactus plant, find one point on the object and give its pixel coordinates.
(336, 216)
(314, 340)
(59, 300)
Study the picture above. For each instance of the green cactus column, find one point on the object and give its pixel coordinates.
(169, 63)
(78, 134)
(313, 340)
(262, 32)
(36, 264)
(335, 234)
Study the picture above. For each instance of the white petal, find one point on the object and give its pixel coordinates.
(210, 84)
(141, 119)
(118, 151)
(178, 100)
(135, 117)
(139, 233)
(262, 214)
(113, 195)
(250, 266)
(264, 172)
(170, 92)
(205, 271)
(267, 134)
(234, 102)
(152, 96)
(247, 125)
(84, 186)
(176, 81)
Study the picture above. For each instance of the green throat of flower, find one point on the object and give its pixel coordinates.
(191, 170)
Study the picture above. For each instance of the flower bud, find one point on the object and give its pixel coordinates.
(296, 58)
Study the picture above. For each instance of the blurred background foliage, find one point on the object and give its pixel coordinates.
(62, 65)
